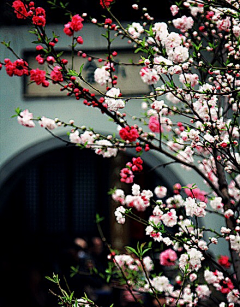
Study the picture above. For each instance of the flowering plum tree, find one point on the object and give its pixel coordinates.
(190, 115)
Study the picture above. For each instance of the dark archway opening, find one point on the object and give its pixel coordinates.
(46, 203)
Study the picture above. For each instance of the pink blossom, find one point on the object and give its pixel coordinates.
(40, 59)
(135, 30)
(148, 263)
(193, 277)
(168, 257)
(74, 137)
(113, 101)
(88, 138)
(196, 193)
(25, 119)
(224, 24)
(173, 40)
(47, 123)
(161, 283)
(56, 74)
(76, 23)
(161, 31)
(149, 75)
(157, 236)
(119, 214)
(174, 10)
(178, 55)
(191, 79)
(228, 213)
(191, 261)
(153, 124)
(105, 148)
(139, 202)
(160, 191)
(105, 3)
(203, 291)
(119, 196)
(224, 261)
(126, 175)
(193, 208)
(184, 23)
(170, 218)
(102, 75)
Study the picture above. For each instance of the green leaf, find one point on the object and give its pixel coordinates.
(72, 72)
(98, 218)
(71, 296)
(60, 54)
(131, 249)
(81, 68)
(111, 191)
(18, 111)
(49, 278)
(6, 44)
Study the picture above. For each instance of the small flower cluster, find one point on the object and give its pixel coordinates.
(74, 25)
(17, 68)
(126, 173)
(129, 134)
(24, 11)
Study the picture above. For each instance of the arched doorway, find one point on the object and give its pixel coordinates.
(46, 201)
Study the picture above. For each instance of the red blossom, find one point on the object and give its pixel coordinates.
(74, 25)
(39, 59)
(39, 18)
(226, 286)
(20, 9)
(80, 40)
(154, 124)
(224, 261)
(39, 76)
(39, 21)
(137, 164)
(105, 3)
(177, 188)
(129, 134)
(17, 68)
(56, 74)
(196, 193)
(67, 29)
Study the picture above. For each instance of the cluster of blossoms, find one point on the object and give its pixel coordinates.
(17, 68)
(90, 140)
(139, 200)
(39, 76)
(126, 261)
(112, 99)
(102, 75)
(168, 257)
(25, 118)
(129, 134)
(127, 173)
(24, 11)
(74, 25)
